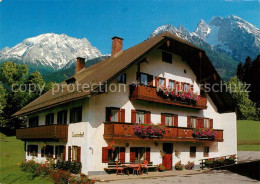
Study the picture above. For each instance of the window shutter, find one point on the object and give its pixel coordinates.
(157, 81)
(133, 116)
(132, 155)
(122, 115)
(188, 121)
(56, 152)
(177, 86)
(64, 153)
(211, 123)
(69, 153)
(42, 152)
(148, 117)
(200, 122)
(147, 153)
(150, 80)
(79, 154)
(108, 114)
(163, 119)
(175, 120)
(104, 155)
(122, 154)
(191, 87)
(118, 115)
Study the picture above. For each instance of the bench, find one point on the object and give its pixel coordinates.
(112, 166)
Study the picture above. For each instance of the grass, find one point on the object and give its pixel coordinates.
(248, 135)
(12, 152)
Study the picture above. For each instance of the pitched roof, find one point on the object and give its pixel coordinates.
(101, 72)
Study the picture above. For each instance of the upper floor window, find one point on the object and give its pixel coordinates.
(206, 123)
(193, 122)
(166, 57)
(140, 116)
(76, 115)
(186, 87)
(161, 82)
(171, 84)
(121, 78)
(34, 121)
(49, 119)
(115, 114)
(145, 79)
(62, 117)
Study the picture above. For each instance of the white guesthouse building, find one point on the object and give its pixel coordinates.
(79, 125)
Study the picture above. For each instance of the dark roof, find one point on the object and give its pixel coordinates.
(104, 71)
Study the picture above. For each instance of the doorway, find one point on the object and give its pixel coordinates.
(167, 158)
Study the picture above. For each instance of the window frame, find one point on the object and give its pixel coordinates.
(149, 79)
(206, 151)
(193, 152)
(49, 119)
(34, 121)
(174, 84)
(73, 114)
(74, 154)
(31, 152)
(121, 78)
(204, 123)
(191, 123)
(63, 121)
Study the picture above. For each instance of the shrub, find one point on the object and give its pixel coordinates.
(80, 179)
(60, 176)
(161, 167)
(209, 162)
(179, 166)
(29, 166)
(43, 170)
(232, 157)
(189, 165)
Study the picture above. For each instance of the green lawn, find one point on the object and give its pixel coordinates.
(12, 152)
(248, 135)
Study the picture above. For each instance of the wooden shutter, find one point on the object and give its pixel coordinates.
(122, 154)
(177, 86)
(188, 121)
(191, 87)
(133, 116)
(150, 80)
(69, 153)
(64, 153)
(200, 122)
(56, 152)
(148, 117)
(122, 115)
(108, 114)
(175, 120)
(104, 155)
(147, 153)
(211, 123)
(132, 154)
(78, 154)
(163, 119)
(157, 81)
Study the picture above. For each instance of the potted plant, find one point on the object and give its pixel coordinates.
(204, 133)
(152, 131)
(231, 159)
(179, 166)
(189, 165)
(209, 162)
(161, 168)
(219, 162)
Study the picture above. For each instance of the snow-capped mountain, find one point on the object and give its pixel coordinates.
(52, 51)
(231, 35)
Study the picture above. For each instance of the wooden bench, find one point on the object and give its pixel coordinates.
(112, 165)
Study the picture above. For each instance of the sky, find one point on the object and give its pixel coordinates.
(100, 20)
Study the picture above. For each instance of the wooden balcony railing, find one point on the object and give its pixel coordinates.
(125, 131)
(139, 92)
(47, 132)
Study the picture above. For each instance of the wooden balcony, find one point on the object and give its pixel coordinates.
(124, 131)
(47, 132)
(150, 94)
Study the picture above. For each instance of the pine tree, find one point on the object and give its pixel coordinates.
(240, 71)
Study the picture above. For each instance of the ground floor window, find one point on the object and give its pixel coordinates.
(206, 151)
(113, 155)
(116, 155)
(193, 151)
(74, 153)
(139, 154)
(47, 151)
(60, 152)
(32, 150)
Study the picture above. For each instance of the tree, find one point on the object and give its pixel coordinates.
(240, 71)
(247, 70)
(2, 97)
(238, 91)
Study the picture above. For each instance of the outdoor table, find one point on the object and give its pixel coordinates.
(131, 166)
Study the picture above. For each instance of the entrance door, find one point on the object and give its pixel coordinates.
(167, 158)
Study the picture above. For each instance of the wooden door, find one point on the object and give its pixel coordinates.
(167, 158)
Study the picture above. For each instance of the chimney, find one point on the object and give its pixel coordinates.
(117, 45)
(80, 64)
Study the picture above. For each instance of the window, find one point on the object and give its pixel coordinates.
(121, 78)
(34, 121)
(206, 151)
(74, 153)
(114, 114)
(193, 122)
(62, 117)
(49, 119)
(206, 123)
(59, 152)
(113, 155)
(76, 115)
(161, 82)
(186, 87)
(138, 154)
(171, 84)
(140, 116)
(193, 151)
(32, 150)
(47, 151)
(169, 120)
(166, 57)
(144, 79)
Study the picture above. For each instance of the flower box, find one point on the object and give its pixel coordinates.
(204, 133)
(149, 130)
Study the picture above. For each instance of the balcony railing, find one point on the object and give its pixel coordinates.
(47, 132)
(125, 131)
(139, 92)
